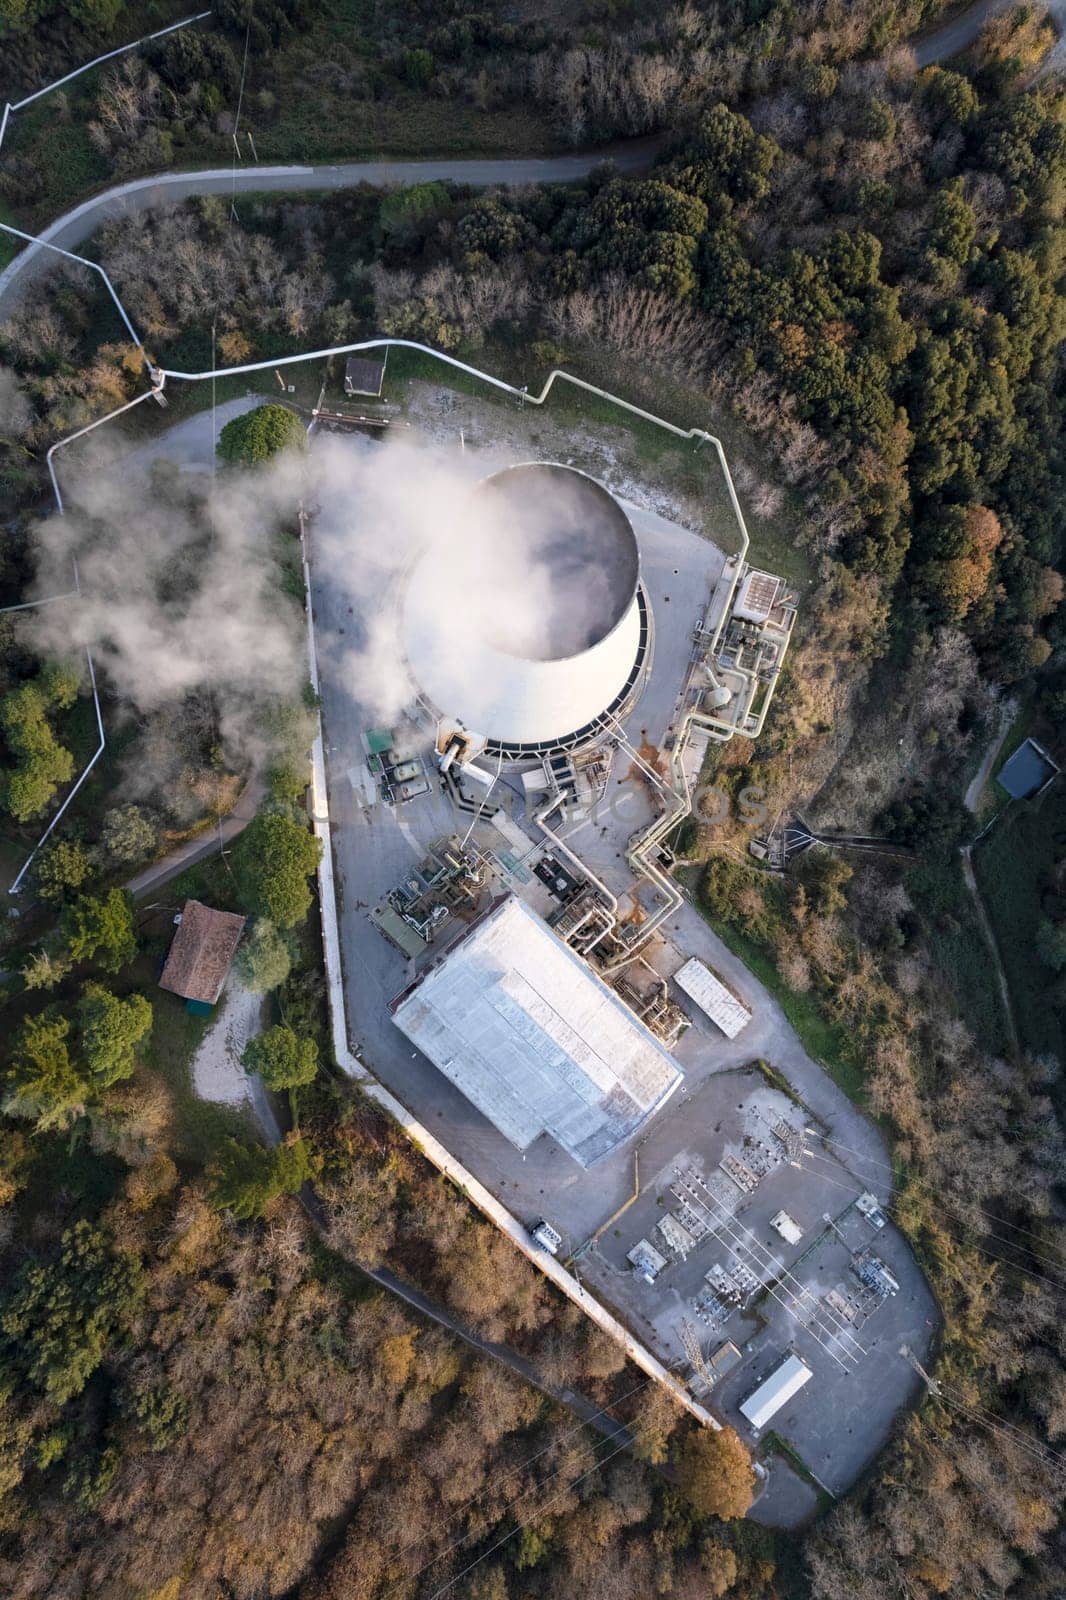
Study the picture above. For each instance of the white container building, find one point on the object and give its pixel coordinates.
(786, 1381)
(712, 997)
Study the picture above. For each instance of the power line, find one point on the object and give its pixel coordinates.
(623, 1428)
(533, 1517)
(917, 1178)
(523, 1466)
(799, 1294)
(1024, 1441)
(237, 115)
(1030, 1445)
(1016, 1266)
(961, 1217)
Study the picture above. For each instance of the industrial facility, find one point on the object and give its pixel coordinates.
(526, 978)
(556, 631)
(775, 1391)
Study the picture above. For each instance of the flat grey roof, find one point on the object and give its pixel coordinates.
(535, 1039)
(363, 375)
(1027, 770)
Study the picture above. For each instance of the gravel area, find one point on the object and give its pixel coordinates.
(217, 1073)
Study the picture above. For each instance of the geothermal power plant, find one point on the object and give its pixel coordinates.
(554, 622)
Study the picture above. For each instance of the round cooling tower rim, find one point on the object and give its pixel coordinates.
(531, 678)
(573, 531)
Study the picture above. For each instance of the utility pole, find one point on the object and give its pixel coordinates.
(930, 1383)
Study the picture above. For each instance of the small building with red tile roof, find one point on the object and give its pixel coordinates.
(201, 952)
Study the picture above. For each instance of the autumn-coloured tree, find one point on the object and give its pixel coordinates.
(714, 1471)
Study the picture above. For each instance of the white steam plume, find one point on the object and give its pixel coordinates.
(383, 508)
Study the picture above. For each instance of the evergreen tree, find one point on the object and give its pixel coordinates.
(272, 861)
(260, 434)
(282, 1058)
(110, 1030)
(100, 927)
(245, 1179)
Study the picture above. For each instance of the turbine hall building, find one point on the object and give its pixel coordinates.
(534, 1038)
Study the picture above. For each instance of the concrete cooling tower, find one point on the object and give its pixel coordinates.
(528, 624)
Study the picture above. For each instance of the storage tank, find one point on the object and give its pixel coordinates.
(547, 642)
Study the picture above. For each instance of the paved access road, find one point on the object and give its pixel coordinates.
(958, 33)
(146, 194)
(962, 30)
(597, 1417)
(629, 155)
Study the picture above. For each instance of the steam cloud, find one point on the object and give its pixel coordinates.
(484, 569)
(16, 413)
(179, 583)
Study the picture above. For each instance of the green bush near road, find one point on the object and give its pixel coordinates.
(273, 859)
(260, 435)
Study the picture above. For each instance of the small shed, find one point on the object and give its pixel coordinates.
(712, 997)
(364, 376)
(786, 1380)
(200, 953)
(787, 1227)
(1028, 771)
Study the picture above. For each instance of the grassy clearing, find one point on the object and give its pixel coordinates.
(9, 247)
(65, 160)
(773, 539)
(638, 446)
(198, 1125)
(961, 959)
(1012, 864)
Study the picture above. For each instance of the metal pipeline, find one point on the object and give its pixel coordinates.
(540, 818)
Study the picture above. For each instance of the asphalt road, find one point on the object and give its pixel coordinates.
(203, 845)
(144, 194)
(958, 33)
(962, 30)
(629, 155)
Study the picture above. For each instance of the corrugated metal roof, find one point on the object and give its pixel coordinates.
(712, 996)
(775, 1391)
(539, 1043)
(757, 595)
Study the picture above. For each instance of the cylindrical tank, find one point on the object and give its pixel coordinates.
(527, 623)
